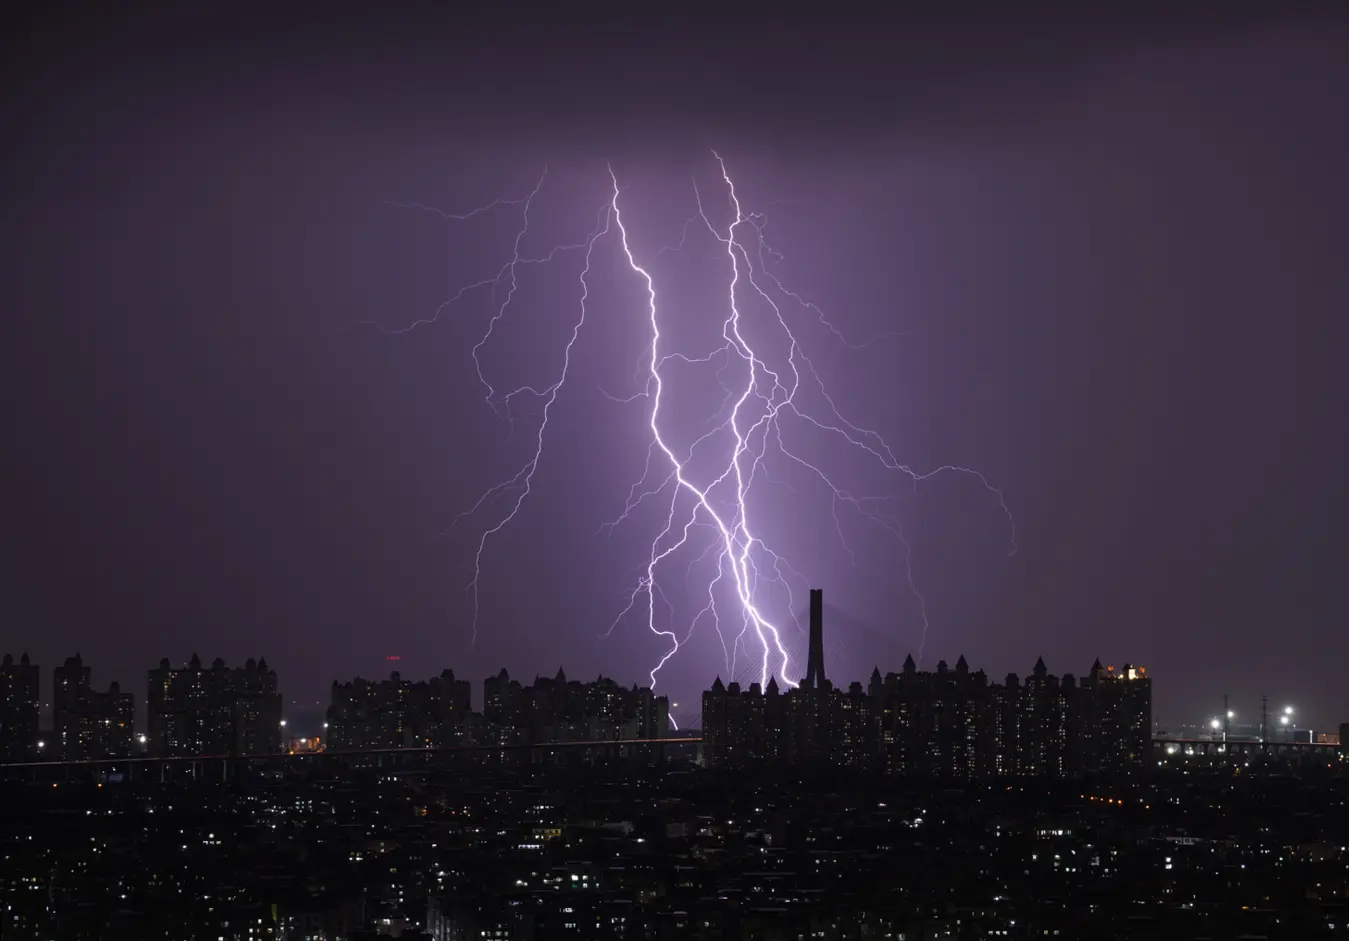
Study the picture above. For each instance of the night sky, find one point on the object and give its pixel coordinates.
(1101, 261)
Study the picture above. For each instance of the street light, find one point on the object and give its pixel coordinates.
(1215, 723)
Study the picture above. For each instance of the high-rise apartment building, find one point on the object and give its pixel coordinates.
(1115, 711)
(87, 723)
(216, 710)
(20, 687)
(398, 713)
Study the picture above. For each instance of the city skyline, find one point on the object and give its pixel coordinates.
(951, 722)
(1279, 719)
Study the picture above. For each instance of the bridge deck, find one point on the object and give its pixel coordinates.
(355, 752)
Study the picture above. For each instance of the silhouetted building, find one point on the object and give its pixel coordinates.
(815, 658)
(87, 723)
(1116, 709)
(555, 709)
(500, 693)
(20, 687)
(398, 713)
(213, 711)
(949, 723)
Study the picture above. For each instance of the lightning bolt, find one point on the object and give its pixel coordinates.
(763, 401)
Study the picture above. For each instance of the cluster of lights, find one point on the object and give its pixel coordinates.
(1285, 719)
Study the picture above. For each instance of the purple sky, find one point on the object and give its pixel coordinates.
(1112, 249)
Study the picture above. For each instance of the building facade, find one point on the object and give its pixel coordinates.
(87, 723)
(20, 690)
(216, 710)
(399, 713)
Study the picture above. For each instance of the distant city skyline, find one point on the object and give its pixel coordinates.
(308, 717)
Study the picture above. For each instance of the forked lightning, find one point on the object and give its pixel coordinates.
(709, 516)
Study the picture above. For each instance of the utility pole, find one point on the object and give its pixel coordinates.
(1264, 719)
(1227, 719)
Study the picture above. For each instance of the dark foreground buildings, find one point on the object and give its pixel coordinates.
(952, 723)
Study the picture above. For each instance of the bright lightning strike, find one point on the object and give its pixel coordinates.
(711, 511)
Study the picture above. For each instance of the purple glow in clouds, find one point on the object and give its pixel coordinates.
(709, 514)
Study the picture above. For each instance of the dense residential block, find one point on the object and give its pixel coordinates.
(399, 713)
(951, 723)
(216, 710)
(448, 849)
(20, 689)
(86, 723)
